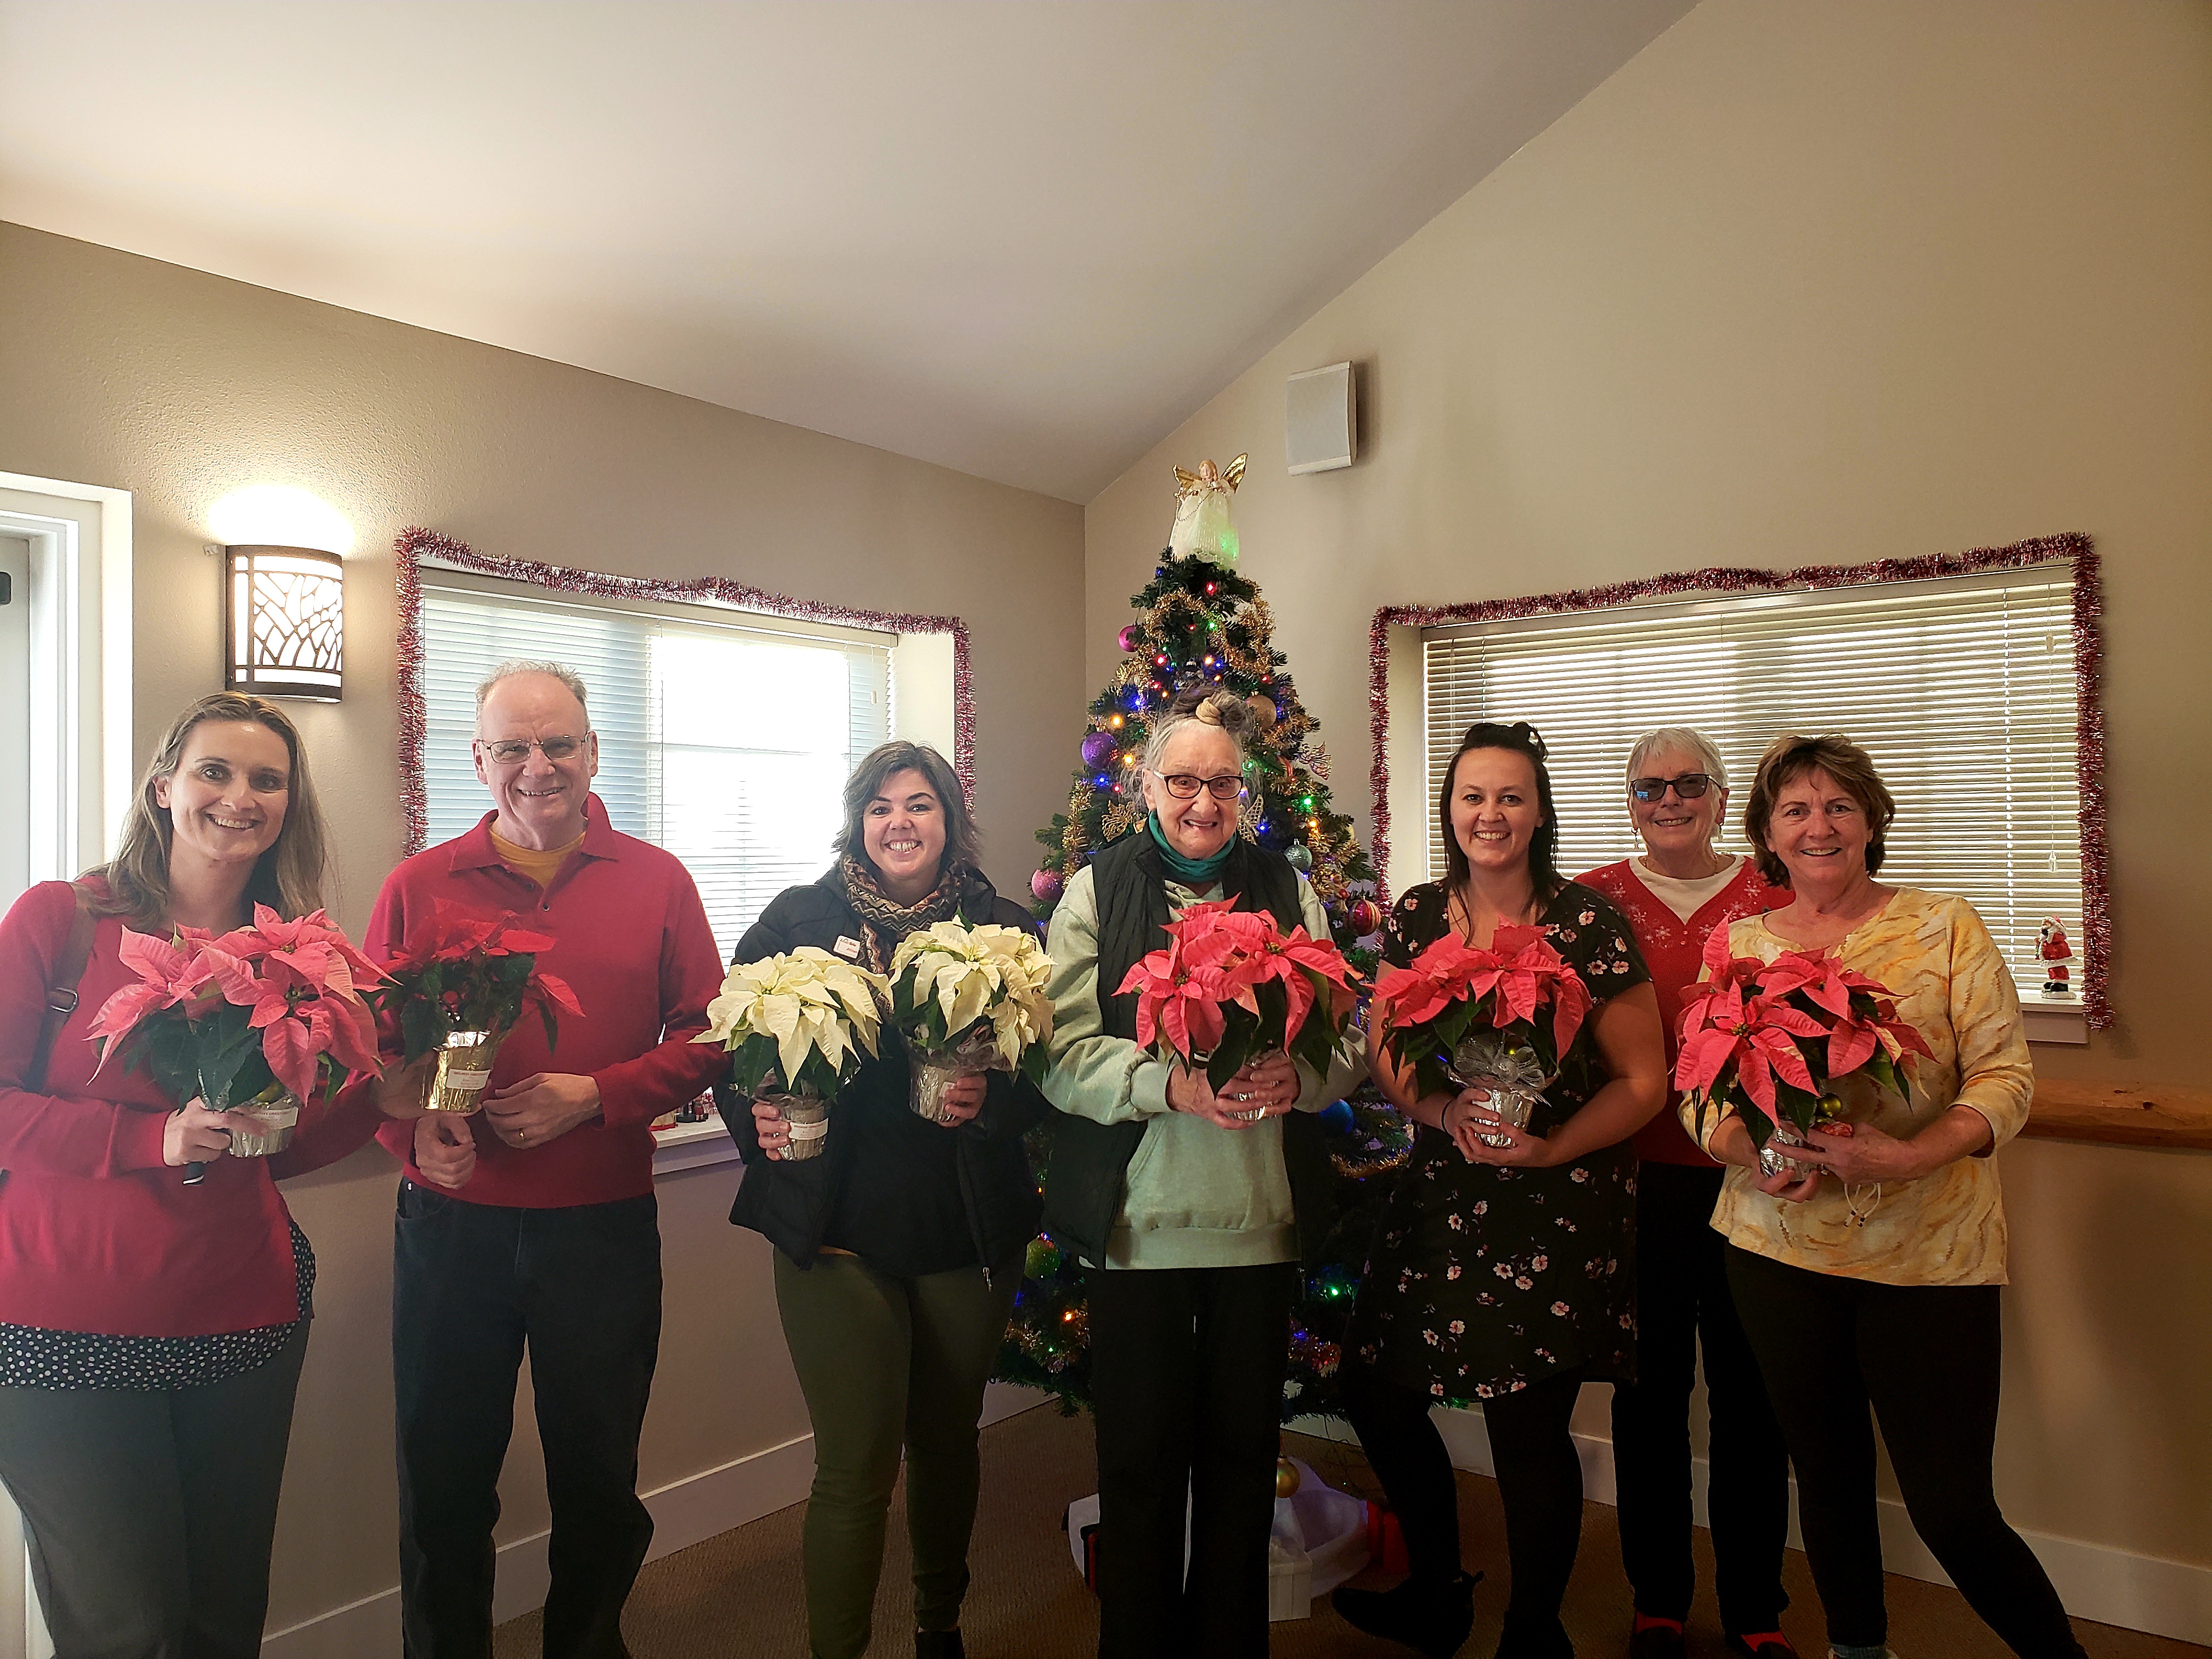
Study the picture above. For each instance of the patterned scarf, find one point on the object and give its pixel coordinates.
(885, 923)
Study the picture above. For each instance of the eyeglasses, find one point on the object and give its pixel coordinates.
(1690, 786)
(1185, 786)
(513, 751)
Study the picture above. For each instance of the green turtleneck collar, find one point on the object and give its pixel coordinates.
(1197, 874)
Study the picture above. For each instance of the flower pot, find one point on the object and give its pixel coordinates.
(808, 1116)
(1771, 1160)
(260, 1127)
(464, 1068)
(1511, 1074)
(932, 1071)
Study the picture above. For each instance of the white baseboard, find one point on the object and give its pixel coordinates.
(684, 1512)
(2095, 1581)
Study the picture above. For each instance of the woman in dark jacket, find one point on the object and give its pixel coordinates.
(899, 1247)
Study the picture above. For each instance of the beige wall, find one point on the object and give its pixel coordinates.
(180, 386)
(1825, 283)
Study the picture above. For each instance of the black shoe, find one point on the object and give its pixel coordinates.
(938, 1644)
(1769, 1646)
(1534, 1638)
(1430, 1615)
(1657, 1642)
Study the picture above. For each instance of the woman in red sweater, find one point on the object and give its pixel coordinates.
(1673, 897)
(151, 1331)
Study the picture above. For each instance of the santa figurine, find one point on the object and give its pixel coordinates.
(2056, 953)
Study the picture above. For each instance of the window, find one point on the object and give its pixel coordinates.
(724, 738)
(1963, 689)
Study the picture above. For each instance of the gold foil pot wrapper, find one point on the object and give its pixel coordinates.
(464, 1069)
(935, 1070)
(260, 1127)
(808, 1118)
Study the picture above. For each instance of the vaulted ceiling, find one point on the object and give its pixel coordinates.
(1018, 238)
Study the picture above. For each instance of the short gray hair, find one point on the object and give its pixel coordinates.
(561, 671)
(1679, 737)
(1223, 710)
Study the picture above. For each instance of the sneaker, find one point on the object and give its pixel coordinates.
(1431, 1616)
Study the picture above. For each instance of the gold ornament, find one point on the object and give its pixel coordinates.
(1288, 1478)
(1263, 710)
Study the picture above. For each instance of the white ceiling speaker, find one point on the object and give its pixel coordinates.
(1319, 421)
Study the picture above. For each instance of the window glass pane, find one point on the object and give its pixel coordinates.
(1962, 689)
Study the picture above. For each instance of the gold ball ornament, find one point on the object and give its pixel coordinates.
(1263, 711)
(1288, 1478)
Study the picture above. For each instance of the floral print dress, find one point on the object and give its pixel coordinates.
(1484, 1279)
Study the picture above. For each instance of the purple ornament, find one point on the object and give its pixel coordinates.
(1129, 637)
(1098, 748)
(1047, 886)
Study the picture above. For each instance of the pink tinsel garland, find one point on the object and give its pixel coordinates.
(2074, 549)
(415, 545)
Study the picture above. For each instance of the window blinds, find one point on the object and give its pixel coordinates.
(725, 743)
(1961, 689)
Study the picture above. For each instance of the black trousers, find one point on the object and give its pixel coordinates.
(472, 1286)
(1187, 1373)
(1927, 1357)
(150, 1512)
(1683, 1303)
(1540, 1483)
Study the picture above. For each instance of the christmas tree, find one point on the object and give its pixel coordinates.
(1200, 625)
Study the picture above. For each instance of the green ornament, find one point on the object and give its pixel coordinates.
(1044, 1259)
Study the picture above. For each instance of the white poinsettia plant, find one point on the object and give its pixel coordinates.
(976, 993)
(806, 1016)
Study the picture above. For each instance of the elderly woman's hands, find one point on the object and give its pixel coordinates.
(1266, 1088)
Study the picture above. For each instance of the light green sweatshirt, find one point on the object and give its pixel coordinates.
(1198, 1195)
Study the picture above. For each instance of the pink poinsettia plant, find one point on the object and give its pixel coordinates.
(469, 972)
(1453, 990)
(276, 1007)
(1232, 987)
(1773, 1039)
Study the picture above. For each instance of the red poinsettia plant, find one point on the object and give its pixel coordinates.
(276, 1008)
(470, 972)
(1772, 1039)
(1422, 1013)
(1232, 986)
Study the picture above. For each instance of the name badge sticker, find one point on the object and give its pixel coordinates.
(847, 948)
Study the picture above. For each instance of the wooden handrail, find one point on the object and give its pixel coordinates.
(2121, 1113)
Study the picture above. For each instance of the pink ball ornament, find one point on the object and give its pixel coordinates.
(1129, 637)
(1047, 886)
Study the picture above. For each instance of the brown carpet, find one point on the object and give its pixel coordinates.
(738, 1594)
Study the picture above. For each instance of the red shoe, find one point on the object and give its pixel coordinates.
(1763, 1644)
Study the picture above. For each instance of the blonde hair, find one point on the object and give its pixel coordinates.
(287, 878)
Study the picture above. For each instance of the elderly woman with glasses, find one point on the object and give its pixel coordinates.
(1672, 897)
(1193, 1207)
(1869, 1274)
(1502, 1269)
(899, 1247)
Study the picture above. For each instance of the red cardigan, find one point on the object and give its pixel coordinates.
(97, 1234)
(1674, 950)
(635, 946)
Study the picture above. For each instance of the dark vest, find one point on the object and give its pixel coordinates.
(1085, 1179)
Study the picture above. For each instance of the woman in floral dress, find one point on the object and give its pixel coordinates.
(1503, 1274)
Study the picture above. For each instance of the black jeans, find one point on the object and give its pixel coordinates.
(150, 1512)
(472, 1285)
(1683, 1302)
(1927, 1357)
(1187, 1371)
(1540, 1483)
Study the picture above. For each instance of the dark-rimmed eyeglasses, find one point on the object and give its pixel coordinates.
(1185, 786)
(1690, 786)
(513, 751)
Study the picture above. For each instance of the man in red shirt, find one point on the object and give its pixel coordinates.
(532, 1223)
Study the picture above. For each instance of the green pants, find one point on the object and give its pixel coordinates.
(889, 1364)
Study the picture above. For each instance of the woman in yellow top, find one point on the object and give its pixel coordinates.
(1870, 1274)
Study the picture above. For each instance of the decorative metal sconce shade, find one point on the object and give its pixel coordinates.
(284, 622)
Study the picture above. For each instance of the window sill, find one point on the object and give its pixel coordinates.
(2122, 1115)
(691, 1146)
(2054, 1019)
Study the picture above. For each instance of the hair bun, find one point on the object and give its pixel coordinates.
(1225, 709)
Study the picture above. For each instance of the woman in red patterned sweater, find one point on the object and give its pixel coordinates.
(1673, 897)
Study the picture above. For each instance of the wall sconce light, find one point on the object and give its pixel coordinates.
(284, 601)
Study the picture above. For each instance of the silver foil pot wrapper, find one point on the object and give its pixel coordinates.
(1513, 1077)
(1771, 1159)
(808, 1118)
(260, 1129)
(935, 1070)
